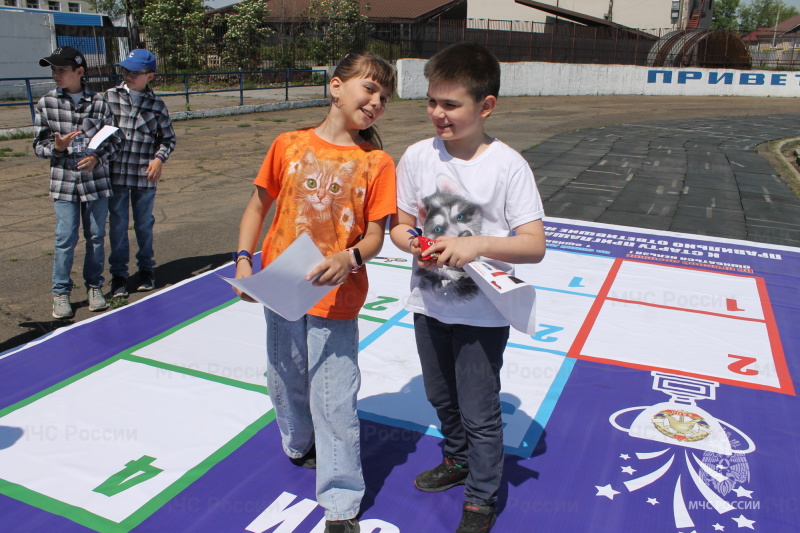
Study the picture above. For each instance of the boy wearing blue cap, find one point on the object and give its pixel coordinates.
(149, 140)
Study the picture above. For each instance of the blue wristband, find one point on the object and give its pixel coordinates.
(241, 253)
(161, 157)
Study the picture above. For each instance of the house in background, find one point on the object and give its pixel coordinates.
(66, 6)
(783, 35)
(640, 14)
(410, 11)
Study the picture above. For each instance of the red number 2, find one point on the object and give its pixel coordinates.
(741, 362)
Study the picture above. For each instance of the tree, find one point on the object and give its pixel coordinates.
(178, 32)
(764, 14)
(726, 15)
(115, 8)
(247, 34)
(340, 22)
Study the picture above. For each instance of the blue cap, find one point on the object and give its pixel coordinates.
(139, 59)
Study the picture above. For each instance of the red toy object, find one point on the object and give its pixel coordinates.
(424, 244)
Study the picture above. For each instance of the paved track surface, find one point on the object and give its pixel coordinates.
(687, 164)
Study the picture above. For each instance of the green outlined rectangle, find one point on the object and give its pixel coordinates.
(106, 525)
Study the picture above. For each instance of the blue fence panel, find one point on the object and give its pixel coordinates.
(87, 45)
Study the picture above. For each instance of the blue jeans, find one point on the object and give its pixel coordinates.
(141, 202)
(313, 380)
(68, 219)
(461, 372)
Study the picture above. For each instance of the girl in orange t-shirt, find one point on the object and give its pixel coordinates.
(335, 184)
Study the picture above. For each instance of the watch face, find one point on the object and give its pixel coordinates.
(357, 255)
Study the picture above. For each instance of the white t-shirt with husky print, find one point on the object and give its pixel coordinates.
(489, 195)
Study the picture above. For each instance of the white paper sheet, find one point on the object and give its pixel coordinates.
(104, 133)
(282, 285)
(515, 299)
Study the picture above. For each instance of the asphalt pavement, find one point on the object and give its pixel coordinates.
(701, 176)
(686, 164)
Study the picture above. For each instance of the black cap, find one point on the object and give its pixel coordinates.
(64, 56)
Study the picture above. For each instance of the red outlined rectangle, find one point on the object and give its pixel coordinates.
(578, 347)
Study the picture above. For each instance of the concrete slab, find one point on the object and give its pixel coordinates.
(623, 218)
(714, 227)
(645, 203)
(709, 213)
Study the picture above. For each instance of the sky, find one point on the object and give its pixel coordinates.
(216, 4)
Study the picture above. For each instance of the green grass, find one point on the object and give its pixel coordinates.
(116, 302)
(7, 152)
(16, 135)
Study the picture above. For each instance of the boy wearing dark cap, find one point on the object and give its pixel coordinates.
(66, 119)
(149, 139)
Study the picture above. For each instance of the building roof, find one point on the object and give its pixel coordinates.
(378, 9)
(580, 18)
(790, 25)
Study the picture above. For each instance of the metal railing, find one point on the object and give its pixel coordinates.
(237, 81)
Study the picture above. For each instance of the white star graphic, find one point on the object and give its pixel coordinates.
(744, 522)
(628, 470)
(652, 501)
(625, 456)
(606, 491)
(743, 493)
(718, 527)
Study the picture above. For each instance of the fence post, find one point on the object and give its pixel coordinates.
(30, 101)
(186, 87)
(241, 87)
(574, 31)
(287, 84)
(325, 84)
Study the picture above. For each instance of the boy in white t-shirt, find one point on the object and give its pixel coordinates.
(478, 199)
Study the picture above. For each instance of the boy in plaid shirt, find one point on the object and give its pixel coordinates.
(65, 119)
(149, 139)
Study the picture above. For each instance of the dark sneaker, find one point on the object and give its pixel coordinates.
(446, 475)
(342, 526)
(147, 280)
(477, 518)
(97, 302)
(119, 287)
(309, 460)
(61, 306)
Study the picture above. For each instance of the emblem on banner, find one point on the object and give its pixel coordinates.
(681, 425)
(721, 469)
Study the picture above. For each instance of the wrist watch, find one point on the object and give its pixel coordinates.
(355, 259)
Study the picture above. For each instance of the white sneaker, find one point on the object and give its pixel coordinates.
(61, 306)
(97, 302)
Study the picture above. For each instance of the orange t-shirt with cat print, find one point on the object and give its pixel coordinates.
(329, 192)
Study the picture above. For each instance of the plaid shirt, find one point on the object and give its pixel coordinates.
(56, 112)
(148, 132)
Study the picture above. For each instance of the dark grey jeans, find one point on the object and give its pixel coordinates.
(461, 371)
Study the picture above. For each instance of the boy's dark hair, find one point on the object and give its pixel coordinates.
(469, 64)
(374, 67)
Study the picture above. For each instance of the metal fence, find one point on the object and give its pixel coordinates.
(553, 41)
(188, 85)
(295, 45)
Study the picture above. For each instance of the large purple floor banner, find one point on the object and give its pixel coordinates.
(657, 394)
